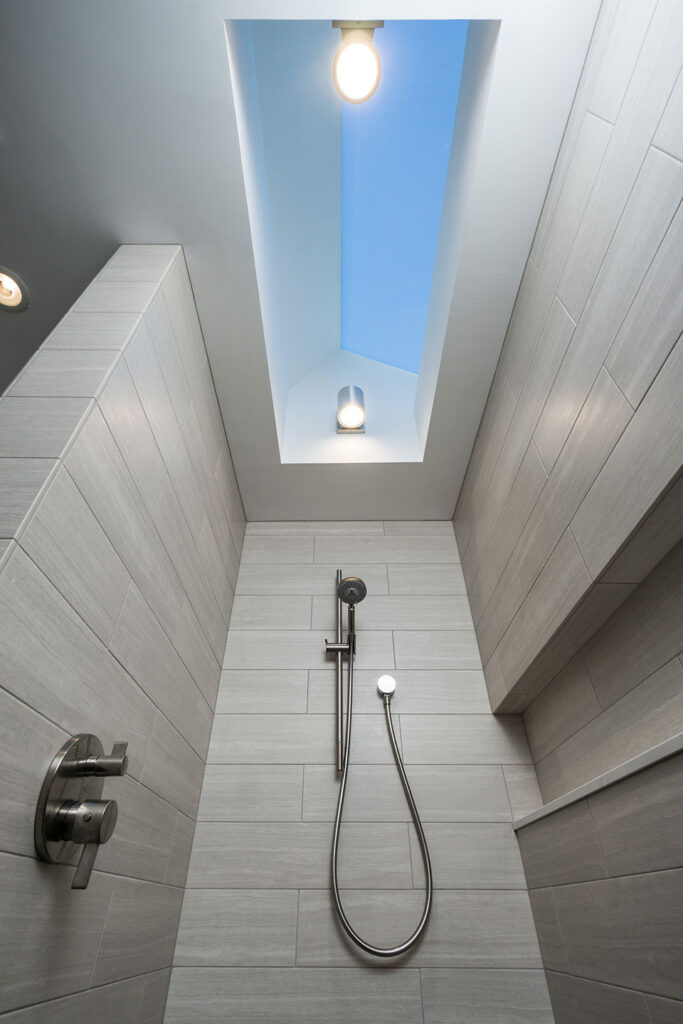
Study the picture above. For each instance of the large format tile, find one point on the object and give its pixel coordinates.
(262, 691)
(397, 612)
(39, 428)
(269, 613)
(287, 579)
(548, 930)
(294, 739)
(67, 543)
(464, 739)
(374, 793)
(437, 649)
(467, 855)
(485, 997)
(523, 790)
(172, 768)
(565, 706)
(467, 928)
(328, 527)
(58, 939)
(276, 550)
(576, 999)
(418, 692)
(263, 855)
(561, 848)
(116, 297)
(405, 578)
(121, 1002)
(148, 946)
(347, 551)
(300, 648)
(93, 331)
(234, 928)
(64, 373)
(293, 996)
(21, 482)
(142, 841)
(263, 792)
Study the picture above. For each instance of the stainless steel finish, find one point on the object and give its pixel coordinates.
(340, 681)
(386, 686)
(70, 812)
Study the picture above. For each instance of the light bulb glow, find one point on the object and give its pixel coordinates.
(11, 294)
(351, 416)
(356, 69)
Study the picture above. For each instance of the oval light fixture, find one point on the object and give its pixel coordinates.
(356, 70)
(351, 410)
(13, 292)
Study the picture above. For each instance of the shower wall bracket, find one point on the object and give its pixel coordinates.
(70, 811)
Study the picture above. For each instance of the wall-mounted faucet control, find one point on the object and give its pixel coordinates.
(70, 811)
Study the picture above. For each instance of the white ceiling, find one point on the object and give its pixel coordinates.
(122, 129)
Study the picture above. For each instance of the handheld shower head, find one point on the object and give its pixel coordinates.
(352, 590)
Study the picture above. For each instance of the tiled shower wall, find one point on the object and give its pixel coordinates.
(583, 431)
(258, 939)
(121, 527)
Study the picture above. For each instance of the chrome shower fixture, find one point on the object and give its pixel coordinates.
(351, 590)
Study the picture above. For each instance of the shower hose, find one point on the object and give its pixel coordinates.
(403, 947)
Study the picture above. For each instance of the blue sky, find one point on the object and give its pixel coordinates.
(395, 154)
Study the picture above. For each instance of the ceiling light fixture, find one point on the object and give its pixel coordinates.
(351, 410)
(13, 292)
(356, 69)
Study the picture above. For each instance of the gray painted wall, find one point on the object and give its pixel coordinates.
(621, 693)
(606, 884)
(121, 528)
(589, 380)
(258, 938)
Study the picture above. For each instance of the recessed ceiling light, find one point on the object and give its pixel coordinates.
(356, 69)
(13, 292)
(351, 410)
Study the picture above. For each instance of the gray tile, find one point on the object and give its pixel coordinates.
(116, 297)
(67, 543)
(67, 373)
(245, 927)
(21, 482)
(154, 1000)
(236, 792)
(466, 928)
(39, 428)
(343, 528)
(522, 787)
(425, 579)
(28, 742)
(51, 660)
(145, 651)
(656, 314)
(374, 793)
(287, 649)
(642, 635)
(172, 768)
(419, 528)
(654, 538)
(293, 996)
(262, 691)
(468, 855)
(565, 706)
(144, 831)
(576, 999)
(564, 847)
(307, 578)
(418, 692)
(92, 331)
(294, 739)
(485, 997)
(277, 550)
(649, 714)
(139, 263)
(263, 855)
(464, 739)
(57, 938)
(264, 612)
(664, 1011)
(648, 91)
(618, 58)
(398, 612)
(118, 1003)
(639, 821)
(626, 931)
(548, 930)
(668, 134)
(181, 848)
(420, 550)
(651, 207)
(148, 946)
(437, 649)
